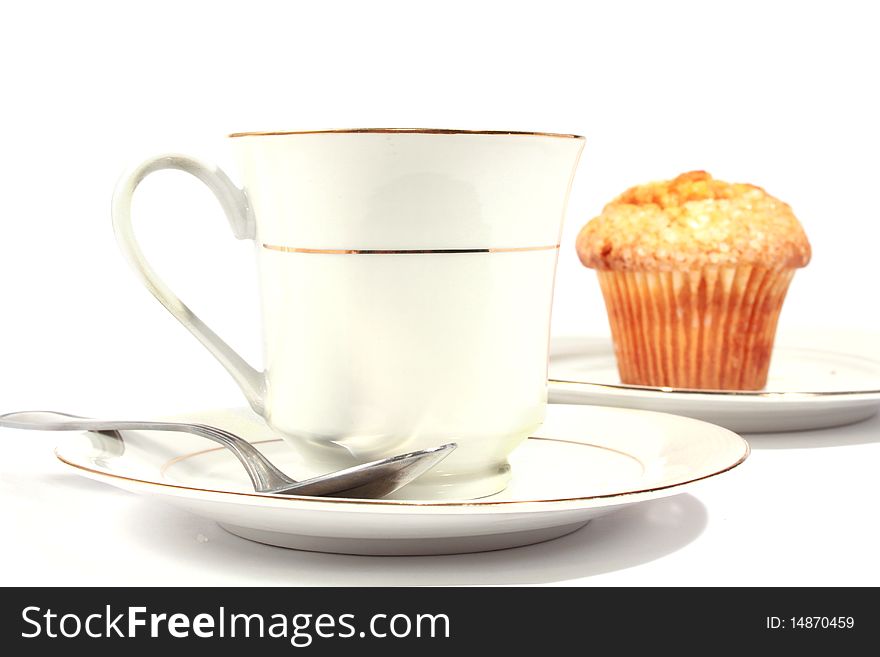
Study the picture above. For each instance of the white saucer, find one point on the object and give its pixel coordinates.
(806, 389)
(585, 461)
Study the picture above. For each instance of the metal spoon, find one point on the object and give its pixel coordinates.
(369, 480)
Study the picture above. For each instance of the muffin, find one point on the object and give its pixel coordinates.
(694, 272)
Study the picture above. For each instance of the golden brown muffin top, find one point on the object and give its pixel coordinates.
(690, 222)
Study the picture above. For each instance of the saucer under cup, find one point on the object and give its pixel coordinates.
(583, 462)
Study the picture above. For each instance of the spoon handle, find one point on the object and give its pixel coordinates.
(57, 421)
(264, 476)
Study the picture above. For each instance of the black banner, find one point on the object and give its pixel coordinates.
(435, 620)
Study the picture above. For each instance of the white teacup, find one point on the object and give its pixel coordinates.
(406, 280)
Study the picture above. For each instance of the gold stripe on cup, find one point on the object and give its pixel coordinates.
(515, 249)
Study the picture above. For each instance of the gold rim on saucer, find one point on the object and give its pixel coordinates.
(405, 503)
(423, 131)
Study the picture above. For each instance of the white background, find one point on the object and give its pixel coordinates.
(780, 94)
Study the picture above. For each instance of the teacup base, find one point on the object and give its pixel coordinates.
(460, 486)
(476, 469)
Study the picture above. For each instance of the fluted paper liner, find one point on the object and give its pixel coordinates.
(707, 329)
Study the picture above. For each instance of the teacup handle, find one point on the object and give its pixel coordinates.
(235, 205)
